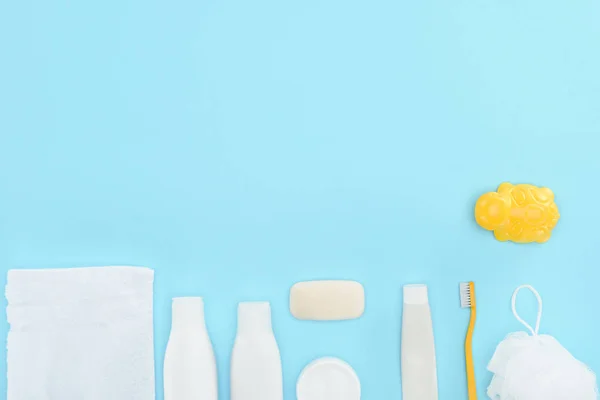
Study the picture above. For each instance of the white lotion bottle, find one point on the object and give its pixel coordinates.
(190, 369)
(419, 374)
(256, 372)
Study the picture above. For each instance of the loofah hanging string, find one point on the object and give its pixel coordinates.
(537, 367)
(539, 314)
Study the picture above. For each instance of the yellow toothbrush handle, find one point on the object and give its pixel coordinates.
(472, 389)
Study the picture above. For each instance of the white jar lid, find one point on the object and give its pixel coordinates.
(328, 378)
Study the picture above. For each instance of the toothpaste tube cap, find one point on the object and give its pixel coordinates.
(415, 294)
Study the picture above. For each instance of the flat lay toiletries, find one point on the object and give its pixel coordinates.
(330, 300)
(419, 374)
(520, 213)
(536, 367)
(256, 372)
(80, 333)
(88, 333)
(467, 300)
(328, 378)
(190, 370)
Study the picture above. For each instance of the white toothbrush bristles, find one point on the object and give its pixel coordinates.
(465, 295)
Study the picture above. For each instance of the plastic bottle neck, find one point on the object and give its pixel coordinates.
(254, 317)
(188, 312)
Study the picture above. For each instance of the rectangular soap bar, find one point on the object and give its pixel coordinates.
(327, 300)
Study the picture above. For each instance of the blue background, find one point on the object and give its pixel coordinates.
(238, 146)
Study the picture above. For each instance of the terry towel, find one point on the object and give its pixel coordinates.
(80, 334)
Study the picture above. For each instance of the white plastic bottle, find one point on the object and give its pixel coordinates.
(190, 371)
(419, 373)
(255, 362)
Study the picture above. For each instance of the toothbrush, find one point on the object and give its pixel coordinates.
(467, 300)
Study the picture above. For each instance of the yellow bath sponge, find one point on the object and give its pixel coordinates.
(521, 213)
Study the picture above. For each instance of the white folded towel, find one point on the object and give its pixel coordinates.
(80, 334)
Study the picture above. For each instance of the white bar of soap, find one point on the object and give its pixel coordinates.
(327, 300)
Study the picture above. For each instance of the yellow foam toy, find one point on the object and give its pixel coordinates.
(521, 213)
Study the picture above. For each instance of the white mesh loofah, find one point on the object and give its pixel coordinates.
(537, 367)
